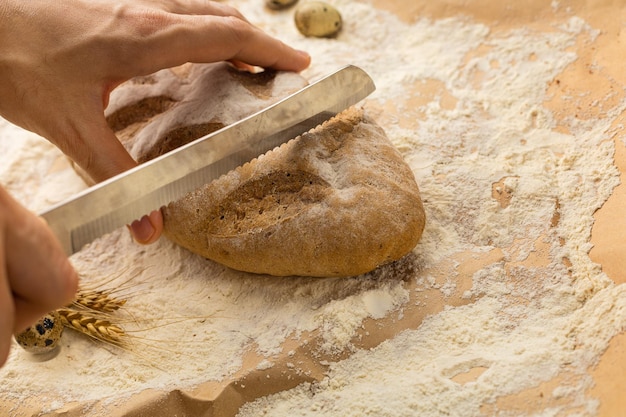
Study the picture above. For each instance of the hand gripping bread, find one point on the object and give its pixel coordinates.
(337, 201)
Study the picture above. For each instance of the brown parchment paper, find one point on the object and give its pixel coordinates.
(582, 80)
(609, 234)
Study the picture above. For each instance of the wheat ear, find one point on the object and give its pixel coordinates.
(93, 326)
(99, 300)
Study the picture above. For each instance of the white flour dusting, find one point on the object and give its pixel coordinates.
(484, 131)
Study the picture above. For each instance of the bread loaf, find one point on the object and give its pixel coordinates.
(337, 201)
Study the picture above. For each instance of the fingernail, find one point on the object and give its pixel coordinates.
(142, 230)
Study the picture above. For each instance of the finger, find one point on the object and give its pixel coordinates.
(38, 271)
(243, 66)
(201, 38)
(238, 40)
(101, 155)
(96, 149)
(7, 310)
(200, 7)
(148, 229)
(107, 158)
(27, 313)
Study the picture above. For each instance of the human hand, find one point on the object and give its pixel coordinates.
(60, 60)
(35, 274)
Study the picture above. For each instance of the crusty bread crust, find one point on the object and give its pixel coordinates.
(337, 201)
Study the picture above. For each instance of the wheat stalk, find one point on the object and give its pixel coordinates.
(93, 326)
(89, 314)
(99, 300)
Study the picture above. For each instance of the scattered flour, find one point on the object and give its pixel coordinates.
(519, 322)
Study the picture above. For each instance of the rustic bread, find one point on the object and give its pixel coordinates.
(337, 201)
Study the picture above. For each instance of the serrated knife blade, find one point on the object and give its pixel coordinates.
(128, 196)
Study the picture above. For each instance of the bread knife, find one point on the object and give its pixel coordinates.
(128, 196)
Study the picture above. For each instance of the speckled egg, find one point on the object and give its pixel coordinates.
(279, 4)
(317, 19)
(43, 336)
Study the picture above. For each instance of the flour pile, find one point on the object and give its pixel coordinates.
(503, 189)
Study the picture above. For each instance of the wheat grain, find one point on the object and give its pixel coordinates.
(93, 326)
(99, 300)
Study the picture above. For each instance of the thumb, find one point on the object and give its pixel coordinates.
(98, 152)
(38, 273)
(106, 158)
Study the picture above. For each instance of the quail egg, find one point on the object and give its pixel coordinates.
(279, 4)
(43, 336)
(317, 19)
